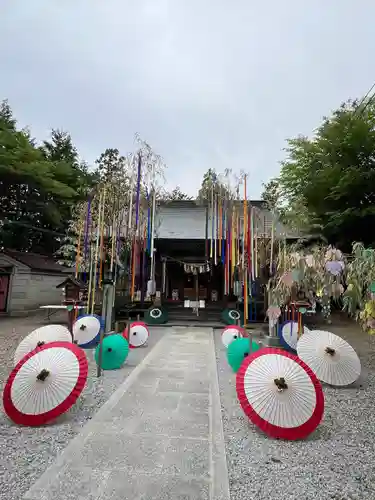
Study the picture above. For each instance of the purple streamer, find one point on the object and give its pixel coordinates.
(138, 191)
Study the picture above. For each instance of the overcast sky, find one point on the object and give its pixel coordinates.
(208, 83)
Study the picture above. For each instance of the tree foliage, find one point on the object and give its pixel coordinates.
(271, 193)
(329, 181)
(112, 166)
(61, 151)
(175, 195)
(37, 189)
(212, 183)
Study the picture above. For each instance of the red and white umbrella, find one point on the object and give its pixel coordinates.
(280, 394)
(332, 359)
(39, 337)
(45, 383)
(136, 334)
(230, 333)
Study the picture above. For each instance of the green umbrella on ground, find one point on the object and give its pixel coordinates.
(238, 350)
(156, 315)
(115, 350)
(231, 316)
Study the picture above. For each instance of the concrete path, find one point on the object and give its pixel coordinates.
(160, 435)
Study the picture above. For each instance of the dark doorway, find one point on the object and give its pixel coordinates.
(4, 290)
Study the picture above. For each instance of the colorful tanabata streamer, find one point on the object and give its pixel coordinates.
(232, 241)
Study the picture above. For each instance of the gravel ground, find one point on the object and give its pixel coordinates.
(335, 462)
(25, 453)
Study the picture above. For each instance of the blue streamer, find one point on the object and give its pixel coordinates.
(223, 236)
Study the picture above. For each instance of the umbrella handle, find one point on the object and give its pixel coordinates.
(330, 351)
(42, 375)
(281, 384)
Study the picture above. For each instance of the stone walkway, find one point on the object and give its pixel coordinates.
(159, 437)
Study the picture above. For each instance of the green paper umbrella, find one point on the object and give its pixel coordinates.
(156, 316)
(238, 350)
(372, 287)
(231, 316)
(115, 350)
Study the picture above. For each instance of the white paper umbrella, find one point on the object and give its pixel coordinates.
(137, 334)
(331, 358)
(86, 330)
(231, 333)
(41, 336)
(45, 383)
(280, 394)
(288, 334)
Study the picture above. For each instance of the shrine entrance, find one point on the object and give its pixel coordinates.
(189, 276)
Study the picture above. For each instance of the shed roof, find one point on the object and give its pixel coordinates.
(74, 281)
(37, 262)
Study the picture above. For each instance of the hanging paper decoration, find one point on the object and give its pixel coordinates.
(335, 267)
(310, 260)
(196, 268)
(295, 258)
(333, 254)
(273, 313)
(287, 279)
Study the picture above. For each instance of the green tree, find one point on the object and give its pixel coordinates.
(330, 179)
(60, 150)
(35, 191)
(175, 195)
(212, 182)
(6, 116)
(271, 194)
(112, 166)
(115, 172)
